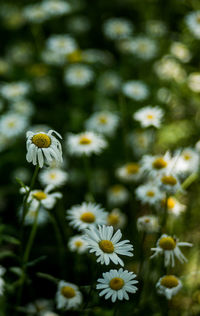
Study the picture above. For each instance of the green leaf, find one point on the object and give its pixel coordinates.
(11, 239)
(6, 253)
(16, 270)
(35, 261)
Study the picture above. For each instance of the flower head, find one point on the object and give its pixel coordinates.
(168, 285)
(68, 296)
(149, 116)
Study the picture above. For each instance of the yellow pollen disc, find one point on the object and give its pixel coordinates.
(106, 246)
(132, 168)
(170, 202)
(116, 284)
(170, 180)
(159, 163)
(113, 219)
(52, 176)
(169, 281)
(167, 243)
(87, 217)
(40, 195)
(75, 56)
(78, 243)
(84, 140)
(41, 140)
(198, 19)
(116, 188)
(147, 220)
(103, 119)
(187, 157)
(11, 124)
(150, 193)
(150, 116)
(68, 291)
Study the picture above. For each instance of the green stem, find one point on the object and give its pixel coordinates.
(88, 177)
(165, 214)
(188, 181)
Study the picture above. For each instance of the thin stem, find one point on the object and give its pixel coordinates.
(88, 177)
(164, 218)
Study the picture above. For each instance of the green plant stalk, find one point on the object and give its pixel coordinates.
(88, 177)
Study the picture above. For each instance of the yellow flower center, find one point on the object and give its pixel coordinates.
(78, 243)
(52, 176)
(169, 180)
(103, 119)
(150, 193)
(147, 220)
(68, 291)
(87, 217)
(106, 246)
(40, 195)
(170, 202)
(169, 281)
(75, 56)
(116, 284)
(159, 163)
(150, 116)
(132, 168)
(167, 243)
(116, 188)
(113, 219)
(11, 124)
(84, 140)
(41, 140)
(187, 157)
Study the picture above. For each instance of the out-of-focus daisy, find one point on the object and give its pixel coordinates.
(117, 28)
(140, 141)
(193, 22)
(14, 90)
(168, 182)
(56, 7)
(2, 282)
(143, 47)
(12, 124)
(147, 224)
(168, 285)
(61, 44)
(169, 247)
(174, 207)
(169, 69)
(193, 81)
(77, 244)
(53, 176)
(116, 284)
(85, 143)
(49, 313)
(156, 164)
(116, 218)
(148, 193)
(86, 215)
(103, 122)
(129, 172)
(149, 116)
(38, 307)
(164, 95)
(117, 194)
(42, 216)
(136, 90)
(68, 296)
(23, 107)
(34, 13)
(180, 51)
(187, 162)
(22, 173)
(78, 75)
(43, 147)
(109, 82)
(106, 245)
(156, 28)
(79, 24)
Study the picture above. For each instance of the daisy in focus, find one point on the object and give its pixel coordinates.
(136, 90)
(77, 244)
(106, 245)
(116, 284)
(169, 247)
(86, 215)
(43, 147)
(168, 285)
(103, 122)
(68, 296)
(85, 143)
(156, 165)
(149, 116)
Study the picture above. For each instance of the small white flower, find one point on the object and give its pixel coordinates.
(130, 172)
(56, 7)
(168, 285)
(116, 218)
(135, 90)
(169, 182)
(117, 28)
(43, 147)
(106, 245)
(147, 224)
(85, 143)
(116, 284)
(156, 165)
(174, 207)
(193, 22)
(186, 162)
(148, 193)
(86, 215)
(68, 296)
(12, 124)
(23, 107)
(140, 141)
(78, 75)
(42, 216)
(141, 46)
(193, 81)
(117, 194)
(169, 69)
(149, 116)
(15, 90)
(103, 122)
(169, 247)
(34, 13)
(77, 244)
(180, 51)
(61, 44)
(53, 176)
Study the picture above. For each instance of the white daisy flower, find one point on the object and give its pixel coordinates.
(117, 28)
(147, 224)
(38, 307)
(43, 147)
(156, 165)
(15, 90)
(77, 244)
(61, 44)
(169, 247)
(116, 284)
(193, 22)
(169, 69)
(149, 116)
(130, 172)
(156, 28)
(42, 216)
(169, 182)
(23, 107)
(106, 245)
(141, 46)
(53, 176)
(140, 141)
(50, 57)
(78, 75)
(116, 218)
(135, 90)
(109, 83)
(68, 296)
(86, 215)
(168, 285)
(12, 124)
(193, 81)
(174, 207)
(117, 194)
(56, 7)
(34, 13)
(103, 122)
(180, 51)
(85, 143)
(148, 193)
